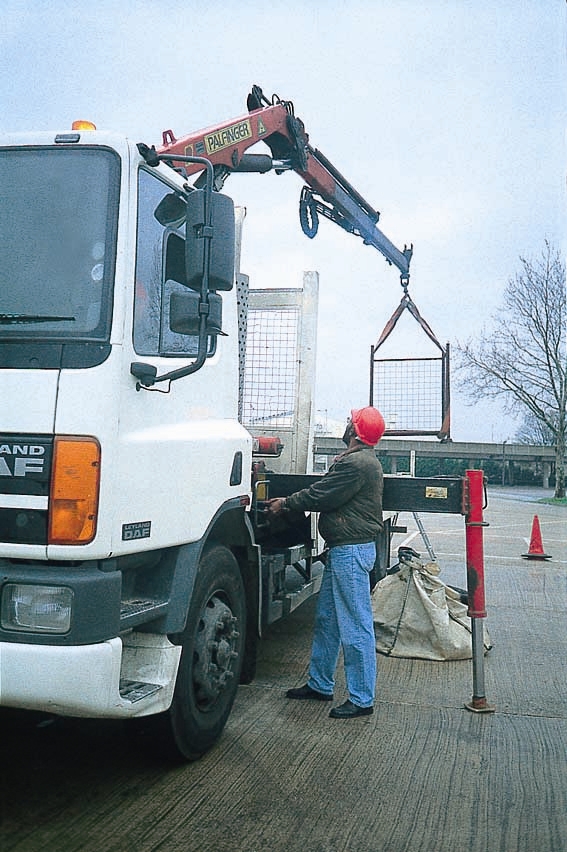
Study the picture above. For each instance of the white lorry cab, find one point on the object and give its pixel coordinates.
(129, 573)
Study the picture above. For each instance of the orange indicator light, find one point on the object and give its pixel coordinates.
(75, 481)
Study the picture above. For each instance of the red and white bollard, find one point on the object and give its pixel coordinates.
(474, 525)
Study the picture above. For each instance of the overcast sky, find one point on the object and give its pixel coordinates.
(448, 116)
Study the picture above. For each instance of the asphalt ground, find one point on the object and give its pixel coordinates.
(423, 774)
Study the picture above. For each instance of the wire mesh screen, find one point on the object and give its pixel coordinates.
(410, 394)
(270, 380)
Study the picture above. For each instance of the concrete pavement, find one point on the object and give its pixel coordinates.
(421, 775)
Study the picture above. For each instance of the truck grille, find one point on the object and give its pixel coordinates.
(25, 470)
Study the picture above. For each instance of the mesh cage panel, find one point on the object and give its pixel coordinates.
(270, 380)
(409, 393)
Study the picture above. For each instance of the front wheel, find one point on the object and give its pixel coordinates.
(211, 656)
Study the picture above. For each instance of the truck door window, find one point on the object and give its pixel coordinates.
(160, 271)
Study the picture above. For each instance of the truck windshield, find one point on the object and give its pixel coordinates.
(57, 243)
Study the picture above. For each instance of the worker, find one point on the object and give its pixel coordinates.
(349, 500)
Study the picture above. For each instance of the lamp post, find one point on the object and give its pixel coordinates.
(504, 461)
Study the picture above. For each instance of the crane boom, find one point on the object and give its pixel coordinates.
(327, 191)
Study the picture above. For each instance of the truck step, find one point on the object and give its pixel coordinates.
(294, 599)
(137, 611)
(134, 690)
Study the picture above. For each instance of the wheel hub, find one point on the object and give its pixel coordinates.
(215, 652)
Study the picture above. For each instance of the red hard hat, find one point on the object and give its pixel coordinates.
(368, 424)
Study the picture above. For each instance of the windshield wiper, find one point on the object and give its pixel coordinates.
(14, 319)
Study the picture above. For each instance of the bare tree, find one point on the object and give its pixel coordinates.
(534, 432)
(523, 359)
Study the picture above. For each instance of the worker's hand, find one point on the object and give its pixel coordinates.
(275, 506)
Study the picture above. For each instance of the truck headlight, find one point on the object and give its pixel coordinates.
(36, 609)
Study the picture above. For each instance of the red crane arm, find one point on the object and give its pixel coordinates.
(327, 192)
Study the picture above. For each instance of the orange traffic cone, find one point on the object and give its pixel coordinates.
(536, 546)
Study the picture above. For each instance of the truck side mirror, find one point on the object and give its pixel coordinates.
(171, 210)
(184, 315)
(219, 231)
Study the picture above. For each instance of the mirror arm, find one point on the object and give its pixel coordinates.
(153, 158)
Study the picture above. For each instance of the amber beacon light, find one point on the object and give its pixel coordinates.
(75, 481)
(81, 124)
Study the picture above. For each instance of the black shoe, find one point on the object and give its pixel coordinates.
(307, 692)
(348, 710)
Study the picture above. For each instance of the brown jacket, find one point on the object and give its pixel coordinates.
(348, 497)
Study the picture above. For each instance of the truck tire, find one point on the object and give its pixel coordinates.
(211, 656)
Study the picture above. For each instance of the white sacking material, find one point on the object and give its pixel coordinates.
(417, 615)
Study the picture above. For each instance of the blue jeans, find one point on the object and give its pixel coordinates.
(344, 619)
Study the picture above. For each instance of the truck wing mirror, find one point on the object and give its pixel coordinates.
(171, 210)
(209, 219)
(185, 313)
(145, 373)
